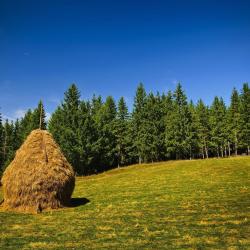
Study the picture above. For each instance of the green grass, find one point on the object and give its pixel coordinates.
(201, 204)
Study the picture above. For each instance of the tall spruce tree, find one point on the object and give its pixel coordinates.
(38, 117)
(153, 129)
(245, 117)
(218, 126)
(106, 133)
(192, 134)
(67, 117)
(203, 129)
(26, 124)
(178, 126)
(121, 130)
(234, 120)
(138, 117)
(167, 102)
(9, 142)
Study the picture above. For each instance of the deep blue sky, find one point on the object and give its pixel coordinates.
(108, 47)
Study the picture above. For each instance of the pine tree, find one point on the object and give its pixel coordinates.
(107, 142)
(17, 142)
(26, 124)
(178, 126)
(138, 117)
(121, 131)
(56, 125)
(203, 128)
(192, 131)
(153, 129)
(167, 102)
(245, 117)
(38, 117)
(234, 120)
(218, 125)
(67, 119)
(8, 144)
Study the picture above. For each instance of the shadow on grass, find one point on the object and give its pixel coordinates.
(76, 202)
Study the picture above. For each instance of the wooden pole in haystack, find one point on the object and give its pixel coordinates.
(40, 125)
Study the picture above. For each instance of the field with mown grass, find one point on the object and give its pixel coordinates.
(200, 204)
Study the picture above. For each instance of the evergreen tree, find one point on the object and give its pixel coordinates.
(121, 131)
(203, 128)
(192, 131)
(106, 135)
(26, 125)
(178, 126)
(234, 120)
(56, 125)
(138, 117)
(218, 125)
(87, 139)
(17, 142)
(168, 109)
(153, 129)
(8, 144)
(245, 117)
(67, 119)
(38, 117)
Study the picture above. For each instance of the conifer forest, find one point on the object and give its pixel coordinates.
(96, 135)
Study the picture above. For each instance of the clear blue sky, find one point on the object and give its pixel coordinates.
(108, 47)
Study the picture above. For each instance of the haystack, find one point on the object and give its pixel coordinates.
(39, 177)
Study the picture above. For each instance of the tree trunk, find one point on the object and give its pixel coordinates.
(225, 151)
(206, 150)
(221, 149)
(236, 144)
(229, 149)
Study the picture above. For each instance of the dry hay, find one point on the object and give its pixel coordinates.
(39, 177)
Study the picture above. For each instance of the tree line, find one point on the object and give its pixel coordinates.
(96, 135)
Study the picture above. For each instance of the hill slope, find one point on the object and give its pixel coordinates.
(181, 204)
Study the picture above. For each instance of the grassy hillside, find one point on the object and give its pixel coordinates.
(173, 205)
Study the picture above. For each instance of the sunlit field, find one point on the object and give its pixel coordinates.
(200, 204)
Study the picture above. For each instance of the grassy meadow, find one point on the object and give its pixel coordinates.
(199, 204)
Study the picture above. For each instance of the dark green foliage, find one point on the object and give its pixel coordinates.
(192, 131)
(65, 127)
(138, 118)
(8, 143)
(121, 131)
(234, 119)
(153, 129)
(178, 128)
(245, 117)
(106, 134)
(12, 134)
(38, 119)
(218, 119)
(97, 135)
(203, 128)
